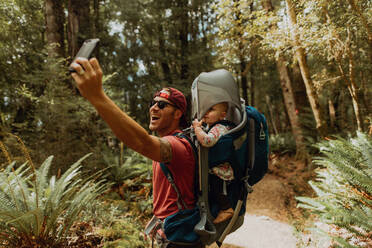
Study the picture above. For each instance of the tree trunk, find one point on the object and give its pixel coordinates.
(243, 81)
(299, 90)
(183, 33)
(289, 98)
(164, 66)
(367, 98)
(290, 105)
(349, 80)
(332, 113)
(301, 57)
(242, 63)
(79, 25)
(342, 120)
(353, 89)
(252, 79)
(97, 25)
(54, 22)
(272, 120)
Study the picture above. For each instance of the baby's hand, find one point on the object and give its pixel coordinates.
(196, 123)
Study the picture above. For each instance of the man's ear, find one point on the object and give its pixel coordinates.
(178, 114)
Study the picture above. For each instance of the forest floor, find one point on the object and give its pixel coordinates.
(272, 218)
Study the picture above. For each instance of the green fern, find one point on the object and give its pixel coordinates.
(343, 187)
(38, 210)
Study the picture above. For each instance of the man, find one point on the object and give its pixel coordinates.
(167, 112)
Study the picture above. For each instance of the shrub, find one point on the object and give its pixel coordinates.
(282, 143)
(344, 190)
(38, 212)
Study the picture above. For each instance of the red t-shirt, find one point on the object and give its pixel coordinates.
(182, 168)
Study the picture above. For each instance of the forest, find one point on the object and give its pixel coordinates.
(67, 181)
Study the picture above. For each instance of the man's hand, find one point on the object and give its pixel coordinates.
(88, 78)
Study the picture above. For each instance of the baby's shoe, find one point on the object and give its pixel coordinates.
(224, 215)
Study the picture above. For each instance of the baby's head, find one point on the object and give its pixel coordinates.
(216, 113)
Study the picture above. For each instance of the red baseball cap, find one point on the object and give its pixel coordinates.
(177, 98)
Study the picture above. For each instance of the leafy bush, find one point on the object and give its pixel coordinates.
(282, 143)
(131, 180)
(37, 212)
(344, 190)
(135, 165)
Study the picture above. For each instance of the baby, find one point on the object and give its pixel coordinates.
(221, 173)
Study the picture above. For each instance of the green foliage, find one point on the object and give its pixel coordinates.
(282, 143)
(135, 165)
(343, 188)
(38, 210)
(124, 233)
(117, 223)
(131, 181)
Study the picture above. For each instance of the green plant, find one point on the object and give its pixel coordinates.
(131, 180)
(134, 166)
(124, 233)
(344, 190)
(38, 212)
(282, 143)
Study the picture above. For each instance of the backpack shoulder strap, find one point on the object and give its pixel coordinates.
(251, 154)
(180, 202)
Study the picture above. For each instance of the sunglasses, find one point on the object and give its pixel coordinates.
(161, 104)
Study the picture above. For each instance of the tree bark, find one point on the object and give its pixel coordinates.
(301, 57)
(243, 81)
(54, 22)
(164, 66)
(290, 105)
(299, 89)
(272, 120)
(79, 25)
(243, 62)
(351, 85)
(332, 113)
(183, 33)
(289, 98)
(97, 25)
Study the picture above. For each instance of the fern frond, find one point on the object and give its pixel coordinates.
(343, 186)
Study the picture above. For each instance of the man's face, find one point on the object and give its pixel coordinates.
(161, 115)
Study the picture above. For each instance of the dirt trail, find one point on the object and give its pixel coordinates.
(270, 208)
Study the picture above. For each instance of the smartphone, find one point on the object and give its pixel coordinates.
(85, 51)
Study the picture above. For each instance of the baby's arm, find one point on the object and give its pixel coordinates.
(209, 139)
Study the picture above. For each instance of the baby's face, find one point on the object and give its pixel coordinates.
(214, 114)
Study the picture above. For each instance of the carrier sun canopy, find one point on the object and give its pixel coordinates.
(210, 88)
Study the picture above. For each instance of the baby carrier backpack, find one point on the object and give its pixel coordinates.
(245, 147)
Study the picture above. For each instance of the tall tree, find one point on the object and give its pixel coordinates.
(288, 94)
(234, 43)
(349, 77)
(301, 57)
(79, 24)
(54, 22)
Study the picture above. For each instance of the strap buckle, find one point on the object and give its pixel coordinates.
(248, 187)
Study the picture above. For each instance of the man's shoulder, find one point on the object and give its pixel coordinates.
(181, 144)
(179, 138)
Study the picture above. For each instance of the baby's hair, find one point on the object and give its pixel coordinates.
(225, 105)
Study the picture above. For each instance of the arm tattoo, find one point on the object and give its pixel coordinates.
(165, 150)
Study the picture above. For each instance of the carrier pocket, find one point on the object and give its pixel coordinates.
(179, 227)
